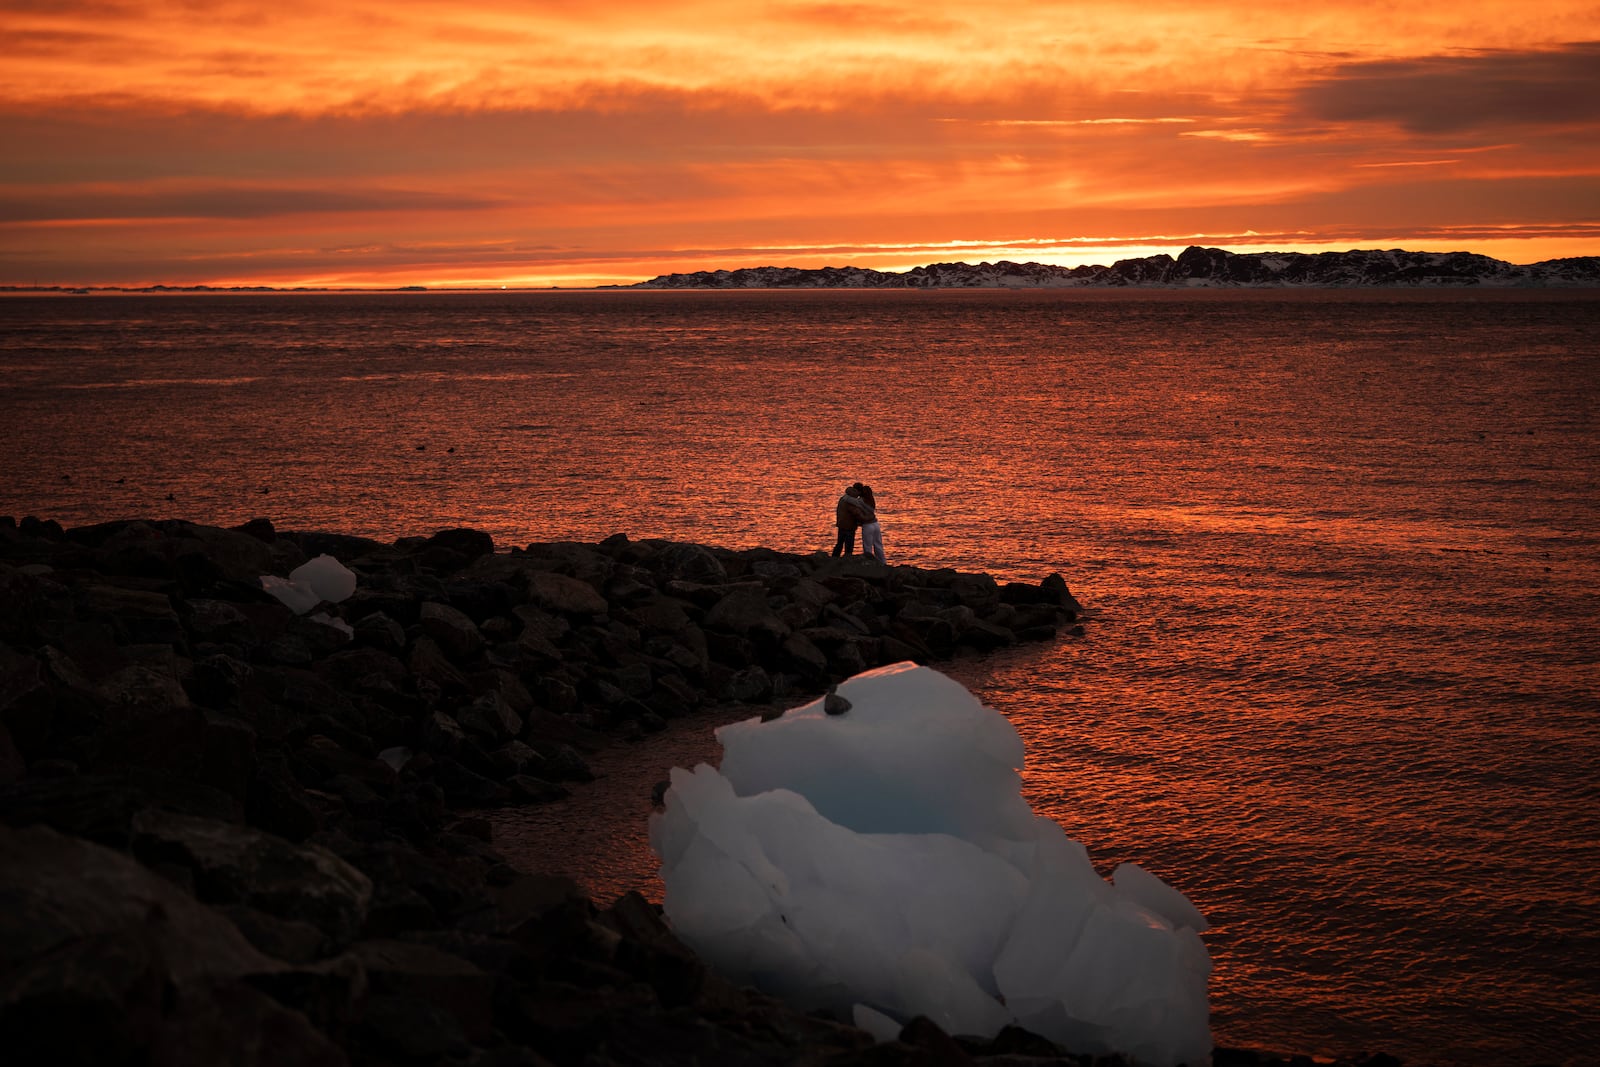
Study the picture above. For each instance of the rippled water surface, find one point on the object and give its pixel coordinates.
(1341, 683)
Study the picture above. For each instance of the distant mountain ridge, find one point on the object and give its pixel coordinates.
(1195, 267)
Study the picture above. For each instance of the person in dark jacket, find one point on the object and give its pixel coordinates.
(848, 515)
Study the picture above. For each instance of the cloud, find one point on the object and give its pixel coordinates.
(1452, 94)
(170, 137)
(91, 204)
(1410, 163)
(1077, 122)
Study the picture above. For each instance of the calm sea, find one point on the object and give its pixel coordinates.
(1341, 683)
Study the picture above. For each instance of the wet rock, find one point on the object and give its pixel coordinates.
(565, 764)
(238, 1024)
(93, 947)
(411, 890)
(138, 616)
(803, 655)
(560, 594)
(649, 951)
(935, 634)
(428, 663)
(12, 766)
(847, 658)
(468, 543)
(425, 974)
(1023, 593)
(557, 694)
(986, 637)
(411, 1029)
(666, 615)
(219, 621)
(673, 696)
(733, 650)
(365, 670)
(491, 717)
(1056, 586)
(218, 680)
(27, 702)
(380, 631)
(455, 634)
(276, 802)
(466, 788)
(859, 620)
(752, 685)
(92, 807)
(702, 596)
(290, 940)
(745, 611)
(678, 561)
(228, 754)
(238, 865)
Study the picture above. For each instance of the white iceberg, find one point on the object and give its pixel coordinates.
(882, 864)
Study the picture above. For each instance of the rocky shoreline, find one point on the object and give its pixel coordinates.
(234, 833)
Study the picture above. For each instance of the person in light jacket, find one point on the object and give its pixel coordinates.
(871, 531)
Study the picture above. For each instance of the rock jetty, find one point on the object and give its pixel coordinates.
(233, 833)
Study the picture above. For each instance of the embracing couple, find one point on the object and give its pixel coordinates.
(858, 509)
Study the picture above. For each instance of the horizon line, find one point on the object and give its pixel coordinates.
(70, 288)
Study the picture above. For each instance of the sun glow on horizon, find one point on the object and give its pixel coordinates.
(516, 143)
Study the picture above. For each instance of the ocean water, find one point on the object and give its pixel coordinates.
(1341, 678)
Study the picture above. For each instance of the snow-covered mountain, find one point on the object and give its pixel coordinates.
(1195, 266)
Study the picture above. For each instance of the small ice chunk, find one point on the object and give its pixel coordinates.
(296, 596)
(327, 577)
(316, 581)
(880, 1026)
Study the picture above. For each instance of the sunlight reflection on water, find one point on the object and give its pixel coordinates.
(1339, 686)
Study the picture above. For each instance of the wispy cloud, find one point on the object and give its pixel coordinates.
(98, 204)
(1485, 89)
(179, 141)
(1240, 136)
(1412, 163)
(1164, 121)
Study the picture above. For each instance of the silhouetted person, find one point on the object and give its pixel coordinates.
(848, 515)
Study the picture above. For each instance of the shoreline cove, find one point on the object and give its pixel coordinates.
(300, 799)
(224, 822)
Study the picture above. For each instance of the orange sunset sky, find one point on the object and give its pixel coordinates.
(395, 142)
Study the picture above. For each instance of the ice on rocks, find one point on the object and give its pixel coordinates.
(327, 577)
(882, 864)
(320, 580)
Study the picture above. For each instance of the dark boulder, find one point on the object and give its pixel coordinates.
(1056, 586)
(680, 561)
(745, 611)
(238, 865)
(452, 630)
(468, 543)
(559, 594)
(422, 973)
(101, 956)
